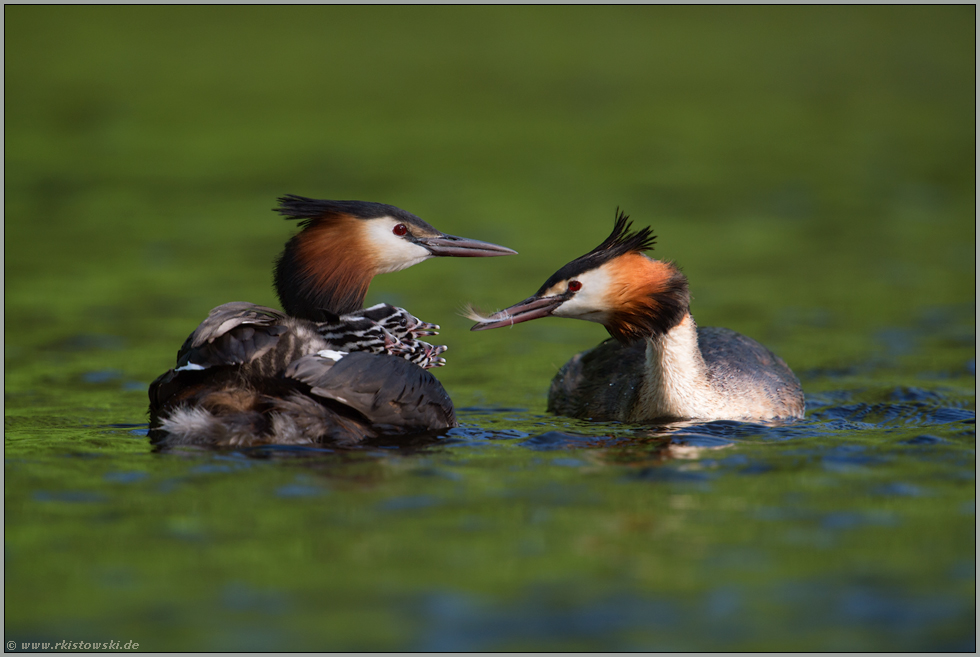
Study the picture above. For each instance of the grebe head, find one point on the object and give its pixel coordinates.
(327, 267)
(632, 295)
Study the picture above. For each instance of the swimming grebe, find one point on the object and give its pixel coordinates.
(326, 369)
(658, 364)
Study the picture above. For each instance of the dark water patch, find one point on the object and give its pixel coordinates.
(409, 503)
(839, 426)
(671, 475)
(739, 464)
(884, 415)
(834, 520)
(898, 341)
(101, 376)
(807, 613)
(911, 621)
(128, 477)
(950, 415)
(699, 440)
(855, 519)
(829, 398)
(439, 473)
(120, 579)
(469, 435)
(491, 409)
(74, 497)
(830, 373)
(899, 489)
(915, 394)
(223, 463)
(555, 494)
(455, 622)
(552, 440)
(268, 451)
(963, 570)
(728, 431)
(83, 455)
(209, 469)
(509, 434)
(924, 439)
(849, 458)
(186, 528)
(137, 430)
(248, 637)
(299, 490)
(238, 596)
(781, 514)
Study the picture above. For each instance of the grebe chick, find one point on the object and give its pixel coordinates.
(659, 364)
(326, 370)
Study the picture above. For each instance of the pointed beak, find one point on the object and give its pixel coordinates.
(461, 247)
(531, 308)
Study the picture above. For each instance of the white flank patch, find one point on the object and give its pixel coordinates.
(190, 367)
(331, 354)
(189, 426)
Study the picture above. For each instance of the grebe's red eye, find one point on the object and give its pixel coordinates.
(400, 229)
(574, 286)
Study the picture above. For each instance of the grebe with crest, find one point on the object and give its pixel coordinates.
(326, 369)
(658, 365)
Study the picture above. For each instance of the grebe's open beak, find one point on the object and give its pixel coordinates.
(461, 247)
(531, 308)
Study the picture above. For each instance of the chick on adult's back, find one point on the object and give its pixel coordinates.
(659, 364)
(327, 369)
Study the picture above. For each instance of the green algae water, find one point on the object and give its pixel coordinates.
(812, 171)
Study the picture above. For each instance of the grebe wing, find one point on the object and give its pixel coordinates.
(601, 383)
(744, 367)
(387, 390)
(232, 334)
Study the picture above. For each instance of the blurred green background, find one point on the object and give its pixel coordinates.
(791, 159)
(811, 169)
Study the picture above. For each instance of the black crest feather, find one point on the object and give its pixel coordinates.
(308, 210)
(620, 242)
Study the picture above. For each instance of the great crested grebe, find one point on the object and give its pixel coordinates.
(326, 370)
(659, 364)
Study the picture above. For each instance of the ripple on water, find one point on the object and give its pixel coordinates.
(924, 439)
(699, 440)
(551, 440)
(883, 415)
